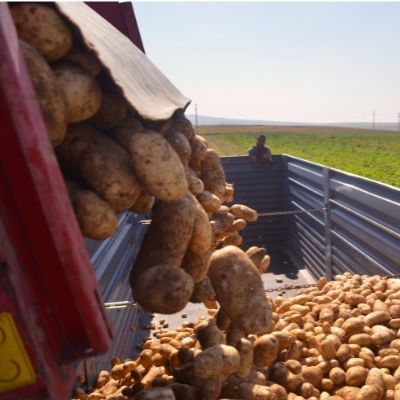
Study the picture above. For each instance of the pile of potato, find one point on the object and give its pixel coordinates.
(113, 161)
(337, 341)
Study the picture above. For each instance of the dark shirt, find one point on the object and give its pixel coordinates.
(258, 152)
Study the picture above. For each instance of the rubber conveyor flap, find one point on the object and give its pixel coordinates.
(148, 91)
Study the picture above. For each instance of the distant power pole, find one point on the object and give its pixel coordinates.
(373, 120)
(398, 126)
(195, 113)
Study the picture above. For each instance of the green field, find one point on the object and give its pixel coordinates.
(372, 154)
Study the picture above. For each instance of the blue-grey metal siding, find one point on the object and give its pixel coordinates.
(365, 219)
(112, 260)
(305, 233)
(360, 231)
(262, 189)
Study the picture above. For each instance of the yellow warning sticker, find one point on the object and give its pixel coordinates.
(15, 366)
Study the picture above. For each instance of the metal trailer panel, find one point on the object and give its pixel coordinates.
(262, 189)
(360, 230)
(305, 232)
(365, 225)
(112, 260)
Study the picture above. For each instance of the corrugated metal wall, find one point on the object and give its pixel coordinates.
(262, 189)
(360, 230)
(305, 233)
(112, 260)
(365, 225)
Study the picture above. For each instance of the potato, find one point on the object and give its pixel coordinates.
(112, 111)
(81, 92)
(285, 378)
(348, 392)
(181, 145)
(85, 59)
(285, 339)
(222, 223)
(96, 218)
(389, 381)
(279, 391)
(394, 323)
(234, 240)
(212, 174)
(343, 353)
(239, 224)
(250, 391)
(354, 299)
(199, 147)
(331, 397)
(196, 265)
(313, 375)
(241, 292)
(208, 334)
(362, 339)
(244, 212)
(168, 236)
(356, 376)
(102, 378)
(264, 264)
(162, 288)
(180, 123)
(156, 164)
(43, 28)
(381, 335)
(51, 100)
(266, 350)
(375, 379)
(203, 292)
(229, 192)
(256, 254)
(376, 318)
(258, 377)
(109, 388)
(216, 360)
(353, 325)
(327, 349)
(326, 384)
(295, 350)
(101, 163)
(368, 392)
(198, 253)
(196, 185)
(245, 349)
(201, 238)
(390, 361)
(165, 242)
(144, 203)
(209, 201)
(307, 390)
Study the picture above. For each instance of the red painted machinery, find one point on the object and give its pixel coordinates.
(51, 312)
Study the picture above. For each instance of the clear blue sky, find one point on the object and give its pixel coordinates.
(311, 62)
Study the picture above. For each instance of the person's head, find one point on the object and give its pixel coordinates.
(260, 140)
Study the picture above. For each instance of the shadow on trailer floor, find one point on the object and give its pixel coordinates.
(283, 272)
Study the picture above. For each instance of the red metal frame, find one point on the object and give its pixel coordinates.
(48, 283)
(122, 16)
